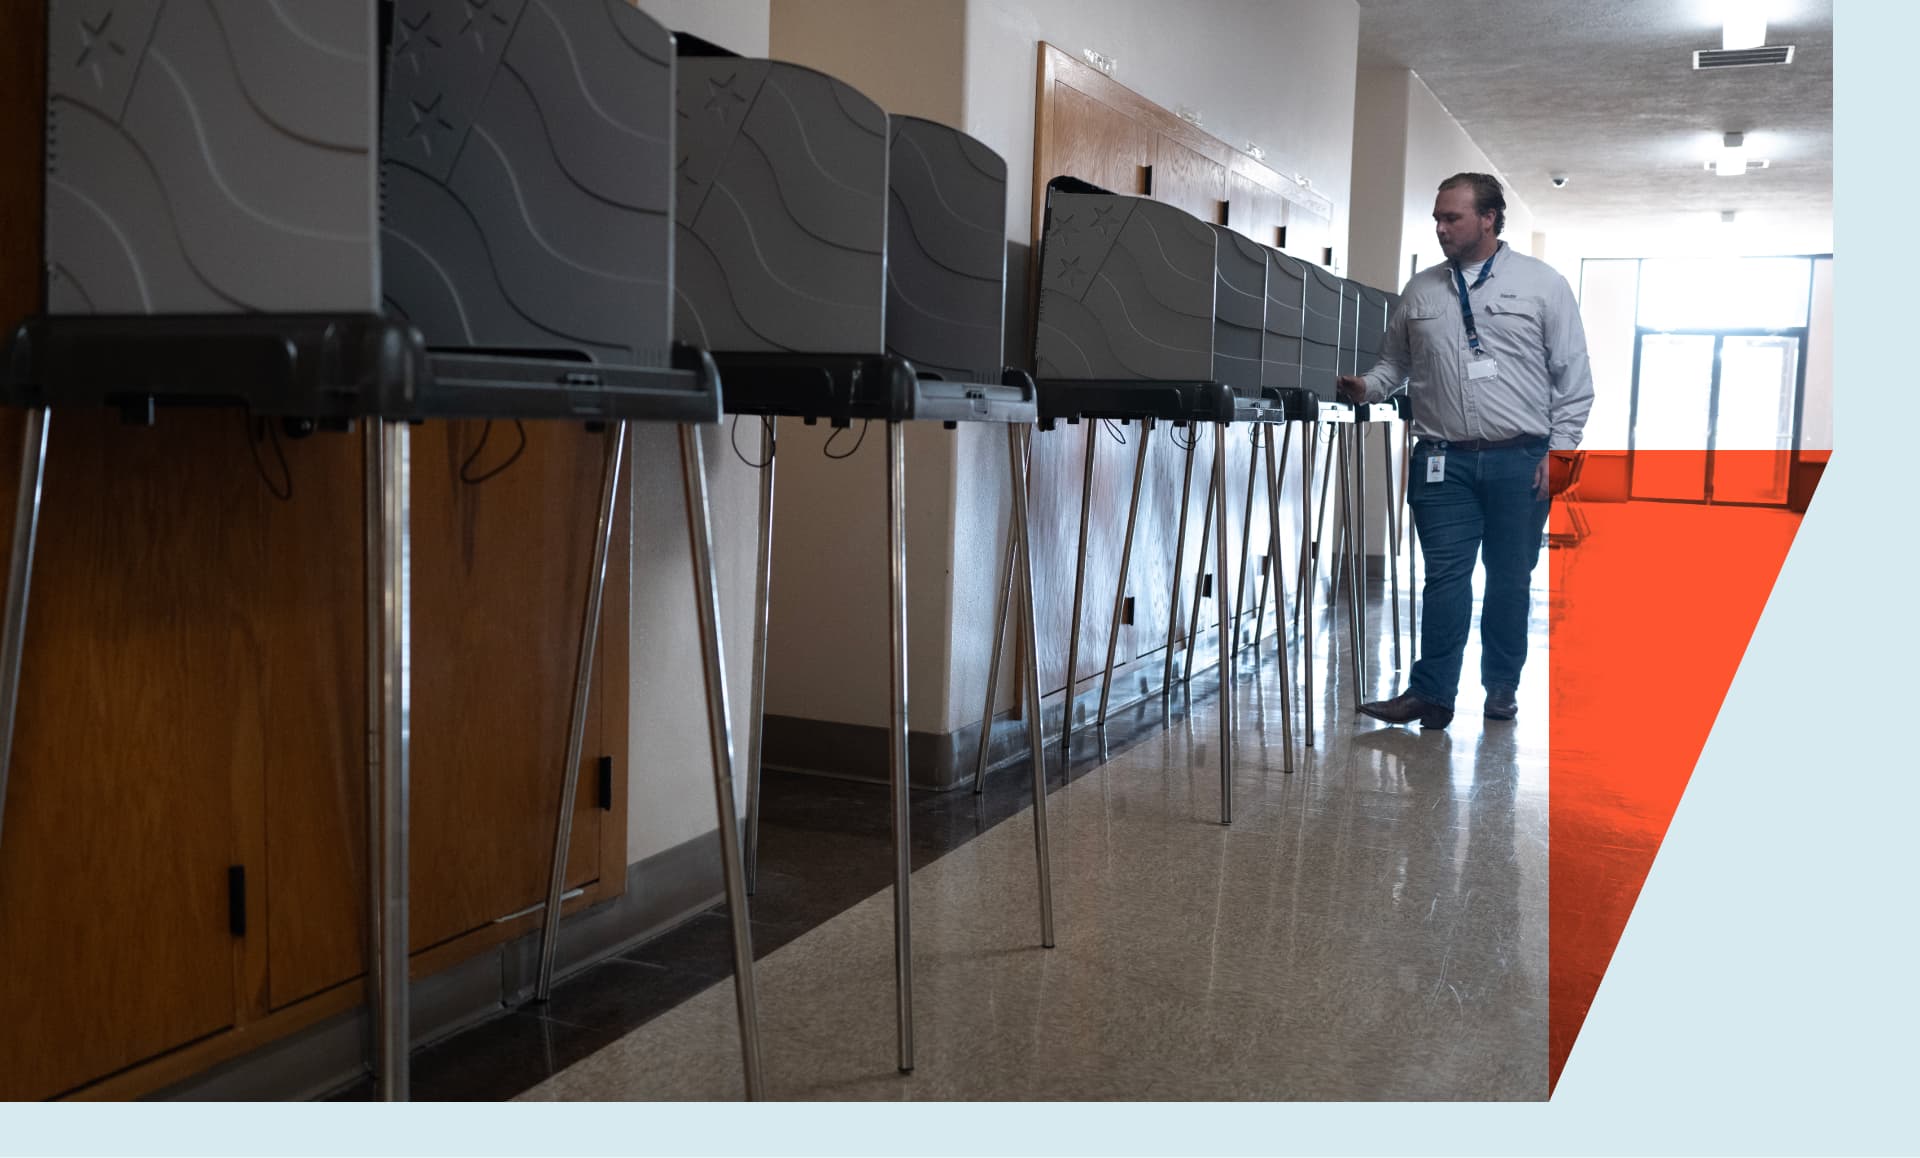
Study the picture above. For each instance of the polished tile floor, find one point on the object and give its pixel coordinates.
(1372, 926)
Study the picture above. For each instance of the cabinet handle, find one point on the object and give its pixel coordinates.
(237, 900)
(1147, 179)
(606, 783)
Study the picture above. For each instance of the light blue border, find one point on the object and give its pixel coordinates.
(1763, 998)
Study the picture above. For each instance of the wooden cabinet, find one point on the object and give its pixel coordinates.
(193, 705)
(1185, 178)
(1097, 144)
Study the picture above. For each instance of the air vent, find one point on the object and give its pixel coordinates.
(1743, 57)
(1752, 164)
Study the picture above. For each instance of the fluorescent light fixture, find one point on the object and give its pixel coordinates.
(1732, 159)
(1744, 28)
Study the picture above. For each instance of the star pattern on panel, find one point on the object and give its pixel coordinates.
(722, 99)
(481, 19)
(1071, 273)
(428, 124)
(96, 44)
(1106, 220)
(413, 35)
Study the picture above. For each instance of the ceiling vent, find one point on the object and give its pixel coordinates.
(1752, 164)
(1743, 57)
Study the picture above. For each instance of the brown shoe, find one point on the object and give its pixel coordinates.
(1406, 708)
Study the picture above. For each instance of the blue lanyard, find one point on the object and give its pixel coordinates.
(1466, 307)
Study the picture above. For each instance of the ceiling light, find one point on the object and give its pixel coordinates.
(1726, 217)
(1732, 159)
(1743, 29)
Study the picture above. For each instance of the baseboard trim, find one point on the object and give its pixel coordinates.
(662, 891)
(944, 761)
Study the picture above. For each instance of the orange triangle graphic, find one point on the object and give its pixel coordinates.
(1652, 605)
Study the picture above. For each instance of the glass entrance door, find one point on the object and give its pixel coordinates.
(1715, 415)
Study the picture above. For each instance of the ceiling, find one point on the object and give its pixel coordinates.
(1604, 91)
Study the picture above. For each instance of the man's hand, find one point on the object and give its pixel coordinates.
(1553, 475)
(1353, 389)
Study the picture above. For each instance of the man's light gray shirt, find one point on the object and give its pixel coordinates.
(1529, 327)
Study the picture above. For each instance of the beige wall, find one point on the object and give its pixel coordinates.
(1437, 148)
(828, 635)
(1379, 177)
(669, 779)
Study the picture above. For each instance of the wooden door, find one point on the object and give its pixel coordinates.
(146, 718)
(1254, 210)
(1096, 143)
(1188, 180)
(499, 572)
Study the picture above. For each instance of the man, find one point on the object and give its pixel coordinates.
(1492, 346)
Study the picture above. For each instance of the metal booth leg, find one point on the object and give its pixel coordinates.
(1350, 538)
(1126, 557)
(389, 704)
(897, 749)
(993, 666)
(577, 726)
(762, 596)
(1079, 593)
(1361, 657)
(1393, 548)
(1200, 576)
(693, 475)
(1326, 488)
(13, 636)
(1309, 575)
(1030, 656)
(1227, 613)
(1246, 540)
(1179, 557)
(1276, 488)
(1279, 599)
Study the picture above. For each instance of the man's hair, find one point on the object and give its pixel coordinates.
(1487, 196)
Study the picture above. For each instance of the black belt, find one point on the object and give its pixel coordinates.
(1487, 443)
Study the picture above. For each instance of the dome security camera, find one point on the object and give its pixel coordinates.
(1559, 180)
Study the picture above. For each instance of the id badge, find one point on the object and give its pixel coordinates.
(1437, 468)
(1481, 368)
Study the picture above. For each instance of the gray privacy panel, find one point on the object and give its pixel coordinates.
(946, 251)
(1320, 347)
(1126, 290)
(1285, 321)
(1349, 326)
(211, 156)
(782, 210)
(1239, 309)
(1372, 326)
(527, 156)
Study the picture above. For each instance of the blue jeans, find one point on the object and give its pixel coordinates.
(1485, 505)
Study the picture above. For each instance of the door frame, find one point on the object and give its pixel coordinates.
(1719, 336)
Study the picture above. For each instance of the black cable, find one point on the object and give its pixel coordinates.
(1113, 428)
(1191, 440)
(828, 448)
(260, 430)
(466, 468)
(773, 445)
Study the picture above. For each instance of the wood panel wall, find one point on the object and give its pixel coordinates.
(192, 700)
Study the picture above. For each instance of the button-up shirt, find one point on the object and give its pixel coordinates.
(1529, 327)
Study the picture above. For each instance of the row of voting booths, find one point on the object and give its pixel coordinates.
(424, 210)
